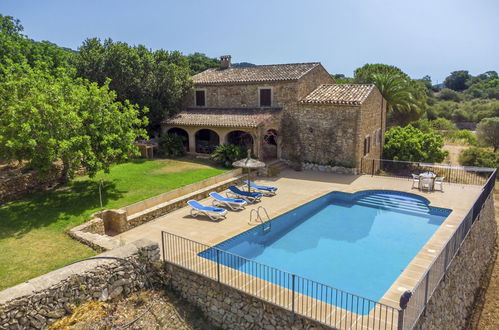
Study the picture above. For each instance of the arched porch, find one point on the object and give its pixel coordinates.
(206, 141)
(183, 134)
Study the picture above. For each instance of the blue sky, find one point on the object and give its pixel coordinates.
(421, 37)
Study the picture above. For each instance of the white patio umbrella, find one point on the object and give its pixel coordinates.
(250, 164)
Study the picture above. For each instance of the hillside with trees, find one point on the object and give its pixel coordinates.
(422, 116)
(84, 109)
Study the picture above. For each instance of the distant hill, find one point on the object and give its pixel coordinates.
(242, 64)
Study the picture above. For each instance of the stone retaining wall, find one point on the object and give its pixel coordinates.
(42, 300)
(93, 232)
(229, 308)
(22, 184)
(452, 302)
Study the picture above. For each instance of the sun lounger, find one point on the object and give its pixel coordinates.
(250, 197)
(214, 213)
(266, 190)
(233, 203)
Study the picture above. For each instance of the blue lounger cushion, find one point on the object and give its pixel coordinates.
(239, 192)
(219, 197)
(198, 206)
(258, 187)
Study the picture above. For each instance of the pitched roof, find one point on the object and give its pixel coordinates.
(350, 94)
(222, 117)
(256, 73)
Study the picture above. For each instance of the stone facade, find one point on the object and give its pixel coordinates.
(452, 302)
(244, 95)
(42, 300)
(325, 133)
(329, 134)
(320, 133)
(229, 308)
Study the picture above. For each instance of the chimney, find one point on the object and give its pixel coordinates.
(225, 62)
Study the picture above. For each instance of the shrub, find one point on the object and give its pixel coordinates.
(411, 144)
(447, 94)
(423, 125)
(442, 124)
(226, 154)
(481, 157)
(462, 136)
(487, 131)
(171, 145)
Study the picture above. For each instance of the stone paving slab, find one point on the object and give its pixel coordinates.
(298, 188)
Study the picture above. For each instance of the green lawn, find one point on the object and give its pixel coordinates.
(33, 239)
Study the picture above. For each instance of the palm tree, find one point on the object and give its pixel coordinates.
(404, 101)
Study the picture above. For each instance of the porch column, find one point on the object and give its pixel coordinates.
(279, 143)
(192, 140)
(257, 142)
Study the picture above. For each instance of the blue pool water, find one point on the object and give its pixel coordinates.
(359, 243)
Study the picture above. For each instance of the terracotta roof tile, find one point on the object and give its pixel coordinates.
(352, 94)
(222, 117)
(257, 73)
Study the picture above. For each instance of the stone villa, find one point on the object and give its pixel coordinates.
(284, 111)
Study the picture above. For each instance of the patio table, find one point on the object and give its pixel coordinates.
(428, 177)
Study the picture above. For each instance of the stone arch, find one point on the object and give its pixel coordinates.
(206, 141)
(182, 133)
(240, 138)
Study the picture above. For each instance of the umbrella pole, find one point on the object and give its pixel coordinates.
(249, 178)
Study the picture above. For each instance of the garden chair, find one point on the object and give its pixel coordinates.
(415, 179)
(439, 180)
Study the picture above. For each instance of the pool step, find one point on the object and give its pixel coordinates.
(394, 203)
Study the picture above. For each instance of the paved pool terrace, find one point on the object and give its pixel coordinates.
(297, 188)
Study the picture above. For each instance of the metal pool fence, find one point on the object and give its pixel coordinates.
(424, 289)
(404, 169)
(314, 300)
(320, 302)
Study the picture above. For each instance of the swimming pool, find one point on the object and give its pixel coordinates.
(359, 243)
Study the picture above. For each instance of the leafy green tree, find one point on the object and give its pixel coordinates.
(342, 79)
(17, 48)
(411, 144)
(447, 94)
(198, 62)
(406, 98)
(457, 80)
(487, 132)
(171, 145)
(48, 119)
(480, 157)
(157, 80)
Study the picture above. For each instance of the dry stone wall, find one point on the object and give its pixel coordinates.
(42, 300)
(229, 308)
(22, 184)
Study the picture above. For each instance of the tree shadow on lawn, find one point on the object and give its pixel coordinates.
(60, 209)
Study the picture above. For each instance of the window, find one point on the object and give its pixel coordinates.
(200, 98)
(367, 145)
(375, 138)
(265, 97)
